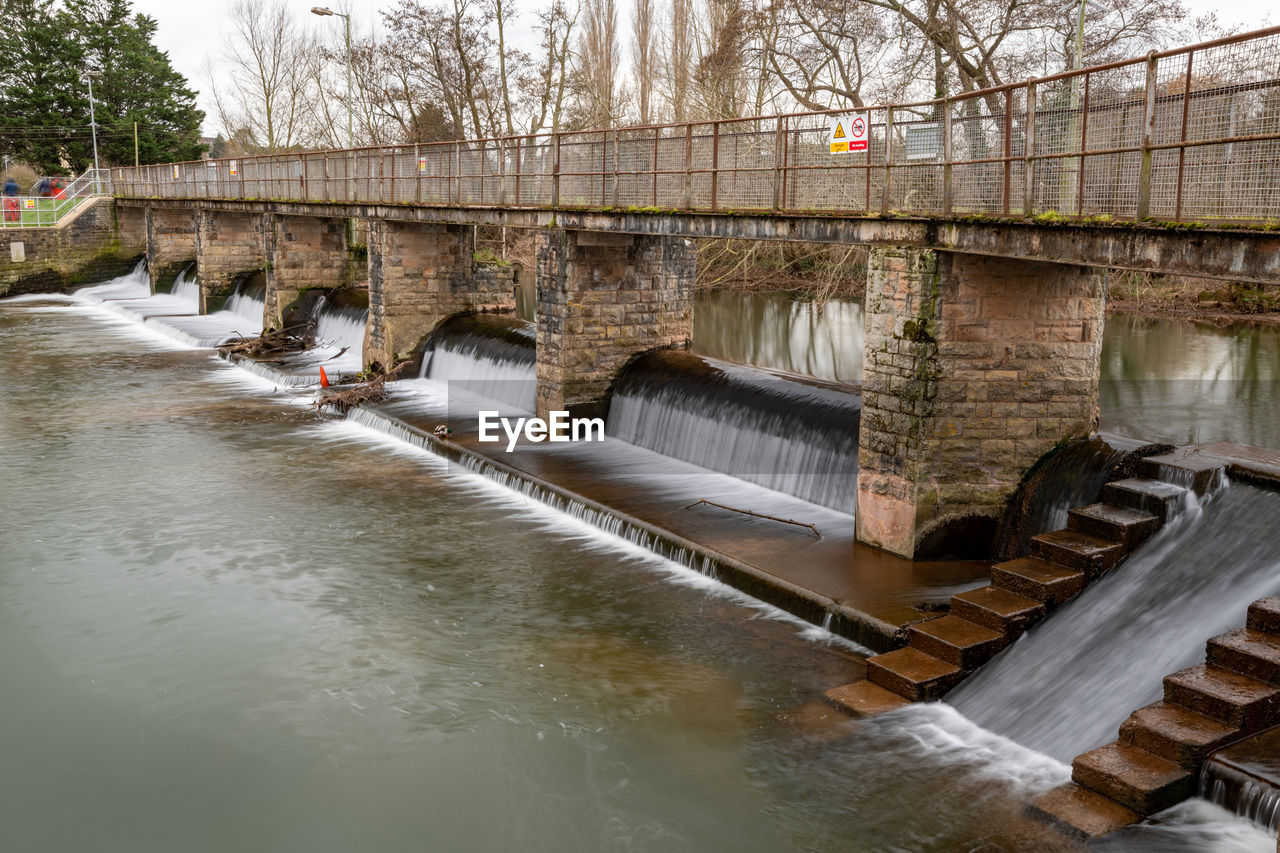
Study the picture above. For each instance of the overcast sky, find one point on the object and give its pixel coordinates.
(192, 33)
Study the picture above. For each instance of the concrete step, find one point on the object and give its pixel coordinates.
(1175, 733)
(1081, 813)
(1201, 474)
(1247, 652)
(1038, 579)
(1264, 615)
(1077, 550)
(1129, 527)
(1133, 777)
(912, 674)
(1226, 696)
(1163, 500)
(956, 641)
(997, 609)
(863, 699)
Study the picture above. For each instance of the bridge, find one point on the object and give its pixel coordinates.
(994, 217)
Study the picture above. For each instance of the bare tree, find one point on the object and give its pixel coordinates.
(643, 58)
(266, 104)
(596, 101)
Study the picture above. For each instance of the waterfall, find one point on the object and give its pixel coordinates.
(186, 288)
(1066, 686)
(491, 357)
(782, 433)
(1255, 797)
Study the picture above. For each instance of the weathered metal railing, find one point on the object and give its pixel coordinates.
(1187, 135)
(44, 211)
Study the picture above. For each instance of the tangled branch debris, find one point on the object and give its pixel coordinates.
(812, 527)
(272, 342)
(347, 397)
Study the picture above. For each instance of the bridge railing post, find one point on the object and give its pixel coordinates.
(947, 196)
(1029, 153)
(555, 170)
(778, 136)
(686, 194)
(888, 161)
(715, 161)
(1148, 137)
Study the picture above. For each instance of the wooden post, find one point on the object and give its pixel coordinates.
(1148, 134)
(555, 170)
(1182, 151)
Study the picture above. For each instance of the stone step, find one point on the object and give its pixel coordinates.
(1264, 615)
(1247, 652)
(1175, 733)
(1077, 550)
(912, 674)
(1201, 474)
(997, 609)
(1163, 500)
(1129, 527)
(1229, 697)
(1133, 777)
(1038, 579)
(1081, 813)
(863, 699)
(956, 641)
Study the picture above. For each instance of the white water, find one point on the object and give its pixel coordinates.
(1067, 685)
(1259, 803)
(486, 367)
(807, 446)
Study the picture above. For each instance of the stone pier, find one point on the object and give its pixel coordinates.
(602, 299)
(229, 246)
(302, 252)
(419, 274)
(975, 368)
(171, 243)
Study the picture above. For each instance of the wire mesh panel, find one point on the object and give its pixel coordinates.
(1188, 135)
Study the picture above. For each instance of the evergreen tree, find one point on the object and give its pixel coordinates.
(44, 102)
(39, 108)
(138, 84)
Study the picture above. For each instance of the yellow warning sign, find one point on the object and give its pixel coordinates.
(848, 133)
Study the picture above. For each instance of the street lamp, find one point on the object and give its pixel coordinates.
(90, 74)
(325, 12)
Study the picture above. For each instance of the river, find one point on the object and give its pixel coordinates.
(230, 623)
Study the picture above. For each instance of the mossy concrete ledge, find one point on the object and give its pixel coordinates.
(90, 244)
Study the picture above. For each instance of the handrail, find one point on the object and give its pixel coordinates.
(48, 211)
(1184, 135)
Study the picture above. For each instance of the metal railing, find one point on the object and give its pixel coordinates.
(44, 211)
(1186, 135)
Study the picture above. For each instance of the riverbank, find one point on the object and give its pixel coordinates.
(1198, 300)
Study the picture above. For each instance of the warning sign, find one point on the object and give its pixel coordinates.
(29, 203)
(848, 133)
(422, 165)
(175, 171)
(233, 168)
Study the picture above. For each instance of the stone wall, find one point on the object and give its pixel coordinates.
(975, 368)
(229, 246)
(602, 299)
(85, 247)
(303, 252)
(419, 274)
(171, 243)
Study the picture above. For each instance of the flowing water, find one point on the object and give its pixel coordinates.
(227, 622)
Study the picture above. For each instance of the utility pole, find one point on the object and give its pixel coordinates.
(135, 144)
(325, 12)
(89, 76)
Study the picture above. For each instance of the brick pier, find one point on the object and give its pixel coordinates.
(302, 252)
(603, 298)
(975, 368)
(228, 246)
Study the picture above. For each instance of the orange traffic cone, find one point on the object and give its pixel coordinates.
(324, 379)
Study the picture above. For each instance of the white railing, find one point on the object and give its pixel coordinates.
(44, 211)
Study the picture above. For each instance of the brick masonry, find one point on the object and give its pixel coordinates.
(302, 252)
(975, 368)
(602, 299)
(229, 246)
(171, 243)
(85, 247)
(420, 274)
